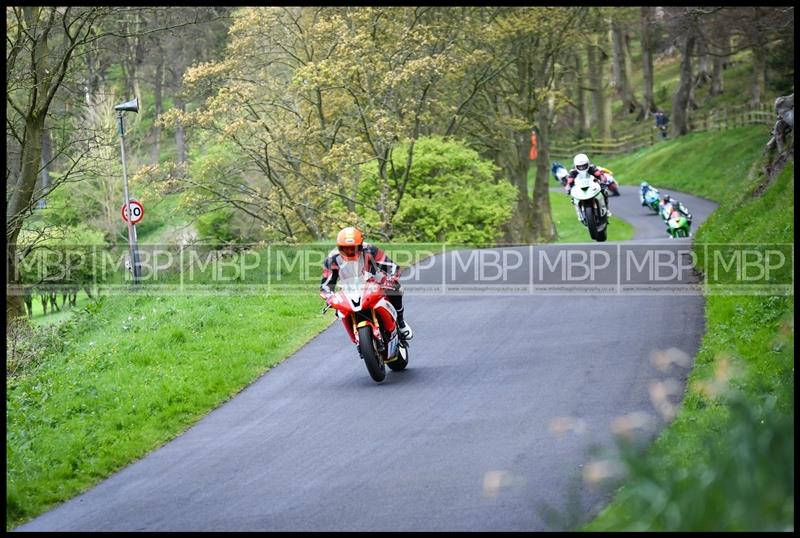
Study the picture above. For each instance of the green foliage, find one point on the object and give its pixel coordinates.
(450, 195)
(220, 226)
(743, 481)
(218, 176)
(62, 255)
(65, 206)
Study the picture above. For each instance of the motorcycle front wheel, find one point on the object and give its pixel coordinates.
(366, 347)
(591, 221)
(402, 359)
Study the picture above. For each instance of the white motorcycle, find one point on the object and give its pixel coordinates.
(590, 205)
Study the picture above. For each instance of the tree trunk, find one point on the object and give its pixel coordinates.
(720, 64)
(704, 67)
(621, 69)
(515, 166)
(18, 206)
(617, 61)
(633, 105)
(584, 124)
(680, 102)
(44, 175)
(605, 100)
(180, 135)
(647, 61)
(595, 81)
(595, 66)
(135, 56)
(758, 85)
(157, 103)
(543, 229)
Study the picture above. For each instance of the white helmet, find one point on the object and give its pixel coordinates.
(581, 162)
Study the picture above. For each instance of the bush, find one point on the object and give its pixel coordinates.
(451, 195)
(729, 488)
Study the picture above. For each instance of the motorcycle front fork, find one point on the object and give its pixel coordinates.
(603, 212)
(579, 213)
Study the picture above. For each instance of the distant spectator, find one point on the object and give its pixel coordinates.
(661, 122)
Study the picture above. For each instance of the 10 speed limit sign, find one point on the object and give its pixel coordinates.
(137, 212)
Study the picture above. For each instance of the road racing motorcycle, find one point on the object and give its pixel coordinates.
(587, 195)
(369, 319)
(652, 198)
(559, 173)
(678, 225)
(611, 183)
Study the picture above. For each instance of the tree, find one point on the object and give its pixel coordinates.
(597, 56)
(646, 18)
(54, 70)
(621, 18)
(527, 43)
(306, 95)
(41, 45)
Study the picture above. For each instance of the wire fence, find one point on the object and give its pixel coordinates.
(647, 135)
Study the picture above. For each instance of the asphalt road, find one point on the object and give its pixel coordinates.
(518, 371)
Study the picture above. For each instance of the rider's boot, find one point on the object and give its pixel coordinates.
(402, 327)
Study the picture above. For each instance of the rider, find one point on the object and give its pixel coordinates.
(666, 211)
(350, 246)
(645, 186)
(582, 164)
(559, 172)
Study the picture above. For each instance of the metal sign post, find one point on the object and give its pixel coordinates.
(132, 106)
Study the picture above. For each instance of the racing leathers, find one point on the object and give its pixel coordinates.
(598, 175)
(375, 261)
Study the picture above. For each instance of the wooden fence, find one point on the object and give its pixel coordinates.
(647, 134)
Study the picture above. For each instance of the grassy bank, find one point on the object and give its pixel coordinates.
(726, 462)
(714, 165)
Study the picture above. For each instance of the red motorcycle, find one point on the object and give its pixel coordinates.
(369, 319)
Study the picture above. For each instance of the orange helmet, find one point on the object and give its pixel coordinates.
(349, 242)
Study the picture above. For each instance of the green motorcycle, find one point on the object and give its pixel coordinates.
(678, 225)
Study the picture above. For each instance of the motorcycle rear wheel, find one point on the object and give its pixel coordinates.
(372, 359)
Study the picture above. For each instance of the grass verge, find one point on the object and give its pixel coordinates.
(570, 230)
(726, 463)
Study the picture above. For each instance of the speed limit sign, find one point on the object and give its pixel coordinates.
(137, 212)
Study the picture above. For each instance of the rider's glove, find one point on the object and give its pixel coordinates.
(326, 295)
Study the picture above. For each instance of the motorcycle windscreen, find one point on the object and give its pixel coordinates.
(351, 278)
(583, 180)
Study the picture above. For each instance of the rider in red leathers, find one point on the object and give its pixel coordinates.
(349, 246)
